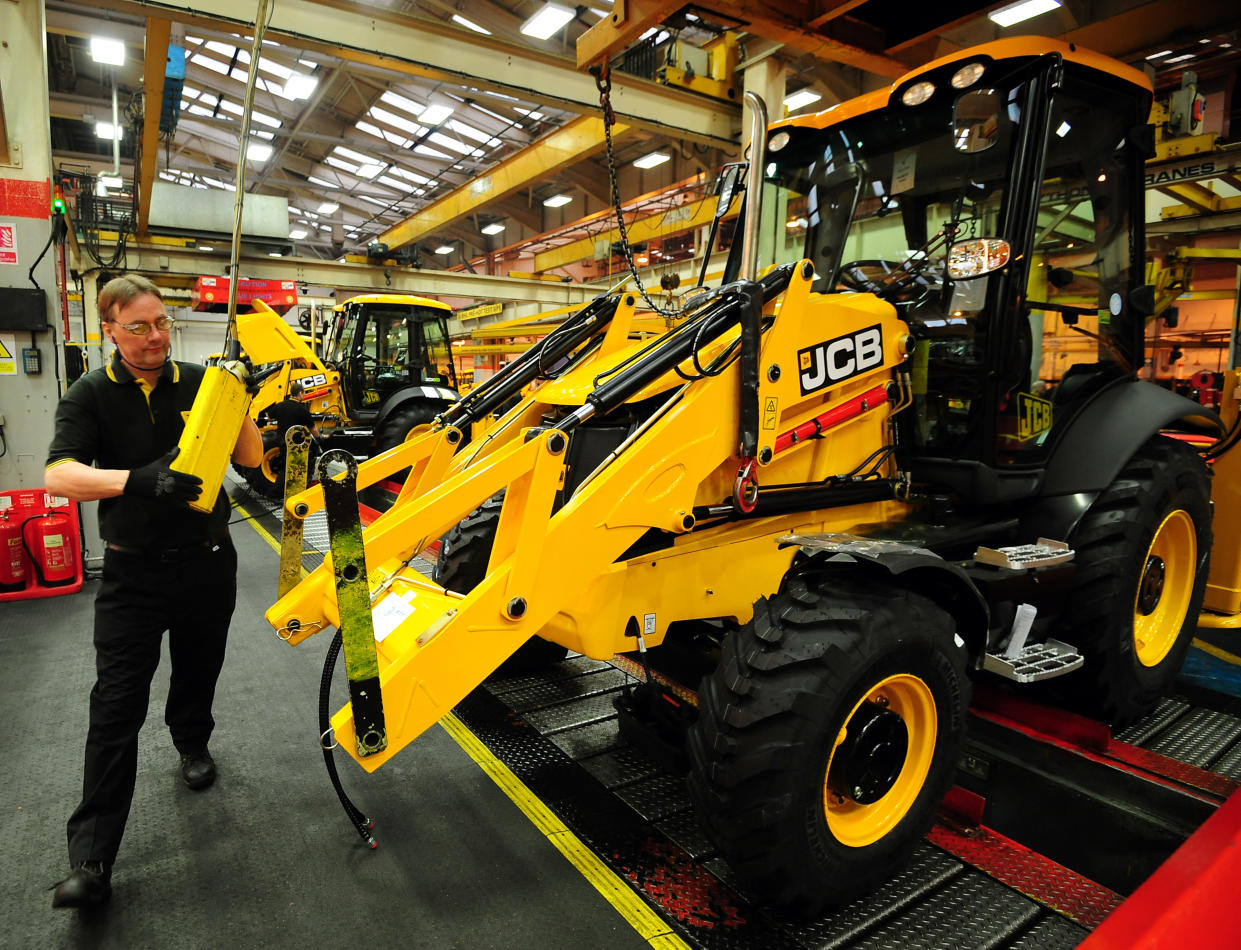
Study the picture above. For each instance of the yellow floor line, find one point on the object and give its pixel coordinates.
(1216, 652)
(615, 891)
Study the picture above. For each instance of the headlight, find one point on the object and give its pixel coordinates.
(976, 257)
(966, 76)
(918, 93)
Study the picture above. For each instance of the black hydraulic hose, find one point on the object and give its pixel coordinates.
(718, 317)
(361, 823)
(497, 390)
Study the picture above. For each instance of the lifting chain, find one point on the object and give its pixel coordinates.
(603, 82)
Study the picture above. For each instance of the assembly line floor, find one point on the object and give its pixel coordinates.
(536, 829)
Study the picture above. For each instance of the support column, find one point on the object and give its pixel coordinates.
(27, 400)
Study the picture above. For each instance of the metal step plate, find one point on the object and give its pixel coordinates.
(1037, 661)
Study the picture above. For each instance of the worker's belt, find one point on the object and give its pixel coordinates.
(179, 553)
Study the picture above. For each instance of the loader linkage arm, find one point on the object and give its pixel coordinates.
(433, 645)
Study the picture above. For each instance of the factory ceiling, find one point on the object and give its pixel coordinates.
(381, 119)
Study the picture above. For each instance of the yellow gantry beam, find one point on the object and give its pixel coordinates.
(571, 143)
(664, 224)
(158, 32)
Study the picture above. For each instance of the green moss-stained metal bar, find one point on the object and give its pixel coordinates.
(340, 502)
(296, 460)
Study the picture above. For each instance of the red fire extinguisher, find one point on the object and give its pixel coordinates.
(12, 557)
(53, 554)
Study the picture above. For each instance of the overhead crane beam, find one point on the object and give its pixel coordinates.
(162, 259)
(570, 143)
(664, 224)
(795, 23)
(433, 50)
(158, 33)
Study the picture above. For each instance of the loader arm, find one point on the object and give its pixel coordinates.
(434, 646)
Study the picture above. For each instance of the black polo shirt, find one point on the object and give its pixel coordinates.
(109, 419)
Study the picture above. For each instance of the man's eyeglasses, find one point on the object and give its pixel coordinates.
(142, 329)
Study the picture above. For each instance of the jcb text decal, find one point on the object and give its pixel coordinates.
(844, 357)
(1033, 416)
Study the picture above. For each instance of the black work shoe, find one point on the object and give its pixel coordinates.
(198, 769)
(89, 884)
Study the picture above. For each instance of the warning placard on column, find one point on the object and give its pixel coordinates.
(8, 355)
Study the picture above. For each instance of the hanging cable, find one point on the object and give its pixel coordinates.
(361, 824)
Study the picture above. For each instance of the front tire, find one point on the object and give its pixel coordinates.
(827, 736)
(1142, 553)
(267, 478)
(462, 564)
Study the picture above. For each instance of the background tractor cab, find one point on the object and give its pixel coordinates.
(386, 368)
(996, 203)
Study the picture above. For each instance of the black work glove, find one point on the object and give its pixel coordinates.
(157, 480)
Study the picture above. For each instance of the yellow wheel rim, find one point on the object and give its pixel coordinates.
(271, 455)
(858, 825)
(1165, 587)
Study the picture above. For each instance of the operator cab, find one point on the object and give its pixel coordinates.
(389, 342)
(991, 201)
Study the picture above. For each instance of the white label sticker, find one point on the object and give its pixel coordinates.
(648, 625)
(904, 162)
(390, 613)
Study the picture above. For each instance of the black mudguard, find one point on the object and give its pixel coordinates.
(911, 568)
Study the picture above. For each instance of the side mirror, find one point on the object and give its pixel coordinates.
(976, 120)
(1142, 300)
(727, 187)
(1060, 277)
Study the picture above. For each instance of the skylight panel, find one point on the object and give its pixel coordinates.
(353, 156)
(224, 49)
(401, 102)
(213, 65)
(341, 164)
(449, 142)
(196, 109)
(397, 121)
(375, 201)
(412, 176)
(263, 134)
(429, 152)
(396, 183)
(190, 92)
(476, 134)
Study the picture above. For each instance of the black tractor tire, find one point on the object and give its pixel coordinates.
(461, 566)
(267, 478)
(1142, 553)
(397, 427)
(831, 648)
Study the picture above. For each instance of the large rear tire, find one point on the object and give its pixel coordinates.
(462, 564)
(1142, 553)
(827, 736)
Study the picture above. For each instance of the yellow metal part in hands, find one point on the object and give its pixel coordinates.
(210, 433)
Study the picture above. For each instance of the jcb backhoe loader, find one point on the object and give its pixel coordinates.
(850, 479)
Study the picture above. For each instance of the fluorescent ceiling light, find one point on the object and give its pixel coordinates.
(328, 207)
(300, 86)
(435, 113)
(803, 97)
(106, 51)
(1064, 129)
(1020, 11)
(547, 21)
(469, 24)
(651, 160)
(298, 234)
(258, 152)
(207, 249)
(494, 228)
(555, 201)
(444, 249)
(104, 131)
(274, 254)
(112, 181)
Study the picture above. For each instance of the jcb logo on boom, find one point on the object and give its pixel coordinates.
(844, 357)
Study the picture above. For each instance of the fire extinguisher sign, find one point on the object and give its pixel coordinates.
(8, 242)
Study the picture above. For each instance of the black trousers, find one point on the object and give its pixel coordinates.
(190, 594)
